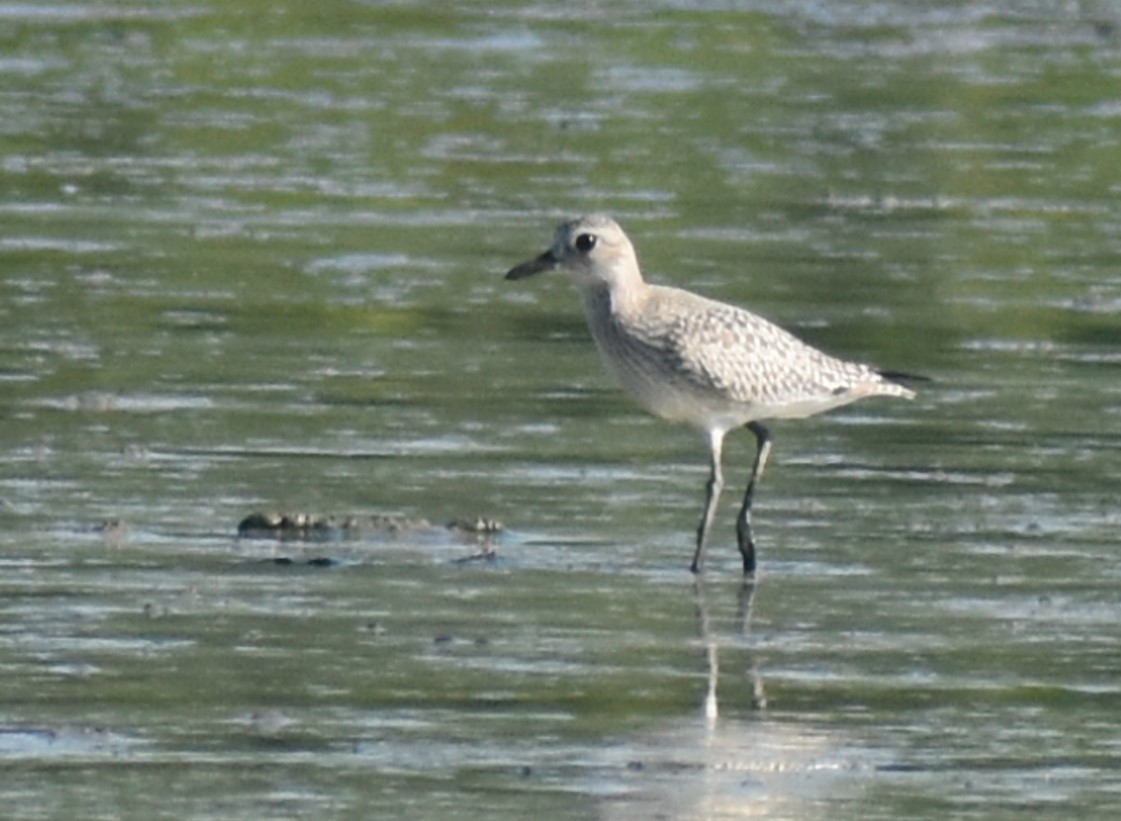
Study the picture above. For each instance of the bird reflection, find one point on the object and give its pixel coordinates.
(739, 764)
(745, 603)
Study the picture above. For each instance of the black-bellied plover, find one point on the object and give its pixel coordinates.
(690, 359)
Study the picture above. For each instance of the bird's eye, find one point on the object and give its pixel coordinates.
(586, 242)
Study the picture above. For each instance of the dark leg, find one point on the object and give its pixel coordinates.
(712, 496)
(743, 521)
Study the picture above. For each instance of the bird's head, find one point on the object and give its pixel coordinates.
(592, 249)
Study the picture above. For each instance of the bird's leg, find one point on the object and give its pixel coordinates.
(712, 496)
(743, 521)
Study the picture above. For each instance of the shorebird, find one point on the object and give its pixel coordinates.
(690, 359)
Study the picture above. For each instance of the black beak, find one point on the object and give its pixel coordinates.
(545, 262)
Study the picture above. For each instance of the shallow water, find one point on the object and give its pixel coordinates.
(252, 259)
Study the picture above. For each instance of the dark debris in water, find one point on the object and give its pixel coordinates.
(315, 561)
(478, 531)
(306, 526)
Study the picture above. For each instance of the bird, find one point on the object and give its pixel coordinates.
(690, 359)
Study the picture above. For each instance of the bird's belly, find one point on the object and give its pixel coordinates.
(692, 407)
(709, 410)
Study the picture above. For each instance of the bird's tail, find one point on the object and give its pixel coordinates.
(902, 378)
(896, 383)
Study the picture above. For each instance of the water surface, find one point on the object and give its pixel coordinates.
(252, 258)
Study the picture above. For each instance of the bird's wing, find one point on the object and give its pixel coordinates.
(752, 360)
